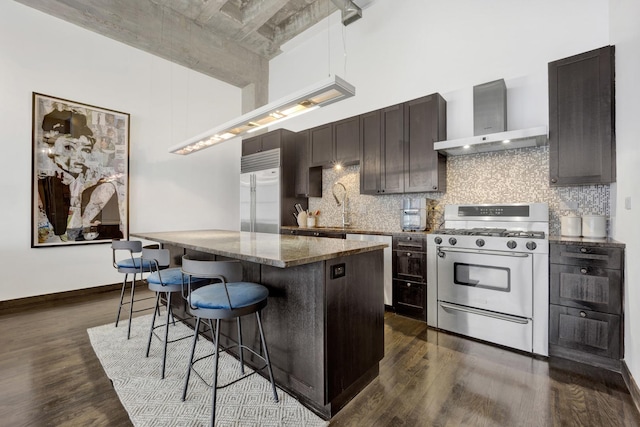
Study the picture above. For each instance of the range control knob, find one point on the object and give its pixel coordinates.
(480, 242)
(531, 246)
(438, 240)
(511, 244)
(452, 241)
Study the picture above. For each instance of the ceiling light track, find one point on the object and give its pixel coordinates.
(323, 93)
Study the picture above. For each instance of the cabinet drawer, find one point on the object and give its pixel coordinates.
(410, 243)
(584, 330)
(410, 265)
(409, 298)
(588, 288)
(586, 255)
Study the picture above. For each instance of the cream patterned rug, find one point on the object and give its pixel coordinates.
(151, 401)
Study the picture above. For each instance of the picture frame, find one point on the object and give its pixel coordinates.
(80, 173)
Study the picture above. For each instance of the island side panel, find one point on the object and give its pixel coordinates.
(354, 324)
(294, 329)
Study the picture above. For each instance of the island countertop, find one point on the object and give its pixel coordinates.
(277, 250)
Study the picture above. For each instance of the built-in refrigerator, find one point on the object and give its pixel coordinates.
(260, 201)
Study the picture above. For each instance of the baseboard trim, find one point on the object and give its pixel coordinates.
(39, 299)
(631, 385)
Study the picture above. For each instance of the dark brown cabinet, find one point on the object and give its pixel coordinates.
(582, 119)
(585, 295)
(396, 147)
(410, 276)
(308, 182)
(425, 122)
(335, 142)
(264, 142)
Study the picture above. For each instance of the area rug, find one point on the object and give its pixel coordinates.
(151, 401)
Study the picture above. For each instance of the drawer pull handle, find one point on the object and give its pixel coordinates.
(408, 285)
(408, 253)
(584, 250)
(583, 270)
(583, 314)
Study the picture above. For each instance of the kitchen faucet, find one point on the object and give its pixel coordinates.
(345, 213)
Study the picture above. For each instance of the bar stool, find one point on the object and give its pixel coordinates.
(128, 265)
(232, 298)
(168, 281)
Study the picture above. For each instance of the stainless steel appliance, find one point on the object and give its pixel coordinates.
(387, 269)
(488, 274)
(414, 215)
(260, 192)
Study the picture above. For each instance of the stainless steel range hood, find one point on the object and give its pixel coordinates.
(490, 126)
(532, 137)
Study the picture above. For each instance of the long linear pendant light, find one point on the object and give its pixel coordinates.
(325, 92)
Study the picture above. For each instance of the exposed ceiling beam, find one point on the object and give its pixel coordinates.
(164, 32)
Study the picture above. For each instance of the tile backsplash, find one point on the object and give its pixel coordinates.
(510, 176)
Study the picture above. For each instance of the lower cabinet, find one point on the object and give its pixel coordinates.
(409, 298)
(410, 276)
(585, 295)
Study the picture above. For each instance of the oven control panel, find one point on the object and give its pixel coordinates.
(508, 244)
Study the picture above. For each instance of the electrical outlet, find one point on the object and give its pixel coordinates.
(568, 205)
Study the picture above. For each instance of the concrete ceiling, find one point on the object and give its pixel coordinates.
(230, 40)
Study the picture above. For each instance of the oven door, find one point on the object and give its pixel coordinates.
(497, 281)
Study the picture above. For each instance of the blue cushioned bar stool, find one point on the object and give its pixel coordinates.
(231, 298)
(130, 264)
(164, 280)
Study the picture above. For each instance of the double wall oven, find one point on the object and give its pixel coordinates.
(488, 274)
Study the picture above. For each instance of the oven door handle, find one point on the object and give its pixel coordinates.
(485, 251)
(507, 317)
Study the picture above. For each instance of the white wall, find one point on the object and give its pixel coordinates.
(167, 103)
(401, 50)
(625, 34)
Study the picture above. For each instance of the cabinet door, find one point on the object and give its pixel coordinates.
(588, 331)
(409, 298)
(423, 166)
(370, 152)
(346, 139)
(581, 112)
(392, 167)
(321, 146)
(588, 288)
(250, 145)
(308, 181)
(271, 140)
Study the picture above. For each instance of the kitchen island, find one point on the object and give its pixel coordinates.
(324, 321)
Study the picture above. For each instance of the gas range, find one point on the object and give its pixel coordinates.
(520, 228)
(487, 274)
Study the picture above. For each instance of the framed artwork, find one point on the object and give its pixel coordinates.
(80, 173)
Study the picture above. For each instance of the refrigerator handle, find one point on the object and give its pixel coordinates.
(252, 227)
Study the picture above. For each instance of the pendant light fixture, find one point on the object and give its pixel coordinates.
(323, 93)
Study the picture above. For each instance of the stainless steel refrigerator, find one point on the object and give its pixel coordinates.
(260, 192)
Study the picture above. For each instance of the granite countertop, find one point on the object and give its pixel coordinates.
(350, 230)
(278, 250)
(605, 242)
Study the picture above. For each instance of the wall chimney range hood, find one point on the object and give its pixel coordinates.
(490, 126)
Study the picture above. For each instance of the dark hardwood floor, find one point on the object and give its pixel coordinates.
(49, 376)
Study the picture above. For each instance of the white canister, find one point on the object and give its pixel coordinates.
(594, 226)
(302, 219)
(571, 226)
(311, 221)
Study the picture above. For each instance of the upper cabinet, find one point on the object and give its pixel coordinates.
(335, 142)
(425, 122)
(582, 119)
(264, 142)
(308, 180)
(396, 147)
